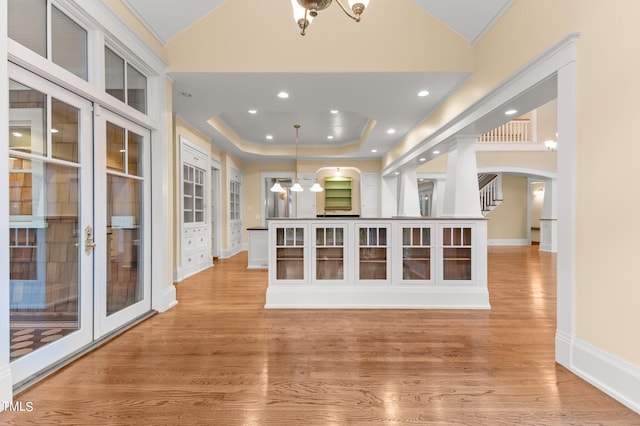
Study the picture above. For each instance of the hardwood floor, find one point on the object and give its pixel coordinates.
(219, 358)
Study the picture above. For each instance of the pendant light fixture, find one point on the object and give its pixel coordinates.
(276, 187)
(296, 186)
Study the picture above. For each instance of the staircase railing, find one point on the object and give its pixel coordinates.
(490, 194)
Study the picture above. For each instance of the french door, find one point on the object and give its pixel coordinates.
(50, 205)
(122, 222)
(79, 229)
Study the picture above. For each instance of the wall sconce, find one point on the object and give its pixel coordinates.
(538, 192)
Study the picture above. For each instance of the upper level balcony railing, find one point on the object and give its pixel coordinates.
(519, 130)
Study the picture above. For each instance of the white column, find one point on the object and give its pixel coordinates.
(461, 198)
(6, 380)
(163, 295)
(389, 193)
(565, 328)
(549, 217)
(437, 201)
(408, 195)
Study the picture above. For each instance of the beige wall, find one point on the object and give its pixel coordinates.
(268, 41)
(606, 300)
(508, 221)
(543, 161)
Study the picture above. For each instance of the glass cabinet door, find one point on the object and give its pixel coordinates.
(416, 253)
(456, 253)
(373, 252)
(329, 253)
(290, 256)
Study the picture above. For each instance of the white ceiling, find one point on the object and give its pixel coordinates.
(365, 100)
(168, 18)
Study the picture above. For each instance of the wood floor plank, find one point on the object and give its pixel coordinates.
(219, 358)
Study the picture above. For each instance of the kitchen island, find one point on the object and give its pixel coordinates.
(403, 263)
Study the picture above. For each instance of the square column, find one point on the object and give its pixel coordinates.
(408, 194)
(461, 198)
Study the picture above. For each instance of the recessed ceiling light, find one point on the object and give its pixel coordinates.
(334, 111)
(283, 95)
(269, 137)
(423, 93)
(391, 131)
(374, 150)
(186, 94)
(422, 159)
(421, 180)
(436, 152)
(510, 111)
(397, 173)
(54, 130)
(253, 111)
(329, 137)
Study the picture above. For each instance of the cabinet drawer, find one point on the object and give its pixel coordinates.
(188, 261)
(201, 240)
(201, 256)
(189, 244)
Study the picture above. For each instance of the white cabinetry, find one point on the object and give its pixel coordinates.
(378, 263)
(235, 212)
(194, 175)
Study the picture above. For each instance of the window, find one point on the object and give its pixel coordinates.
(114, 74)
(129, 87)
(28, 25)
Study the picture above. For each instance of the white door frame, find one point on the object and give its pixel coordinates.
(105, 324)
(32, 363)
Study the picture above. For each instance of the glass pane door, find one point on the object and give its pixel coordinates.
(50, 204)
(123, 290)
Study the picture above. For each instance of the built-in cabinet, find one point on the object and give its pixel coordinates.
(364, 263)
(195, 250)
(236, 230)
(337, 193)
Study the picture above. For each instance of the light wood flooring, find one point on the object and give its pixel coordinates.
(219, 358)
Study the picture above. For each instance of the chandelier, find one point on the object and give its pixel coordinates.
(305, 10)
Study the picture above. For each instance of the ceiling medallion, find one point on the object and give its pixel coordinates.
(305, 10)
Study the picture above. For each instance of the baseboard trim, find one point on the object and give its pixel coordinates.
(563, 349)
(360, 297)
(6, 390)
(614, 376)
